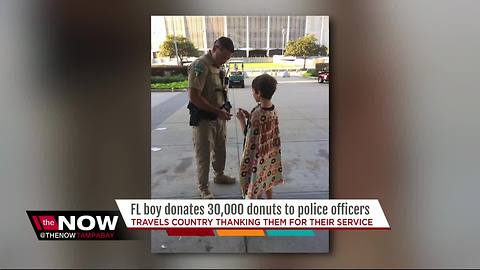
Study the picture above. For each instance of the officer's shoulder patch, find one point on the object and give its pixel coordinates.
(198, 67)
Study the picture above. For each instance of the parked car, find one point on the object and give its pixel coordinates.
(323, 76)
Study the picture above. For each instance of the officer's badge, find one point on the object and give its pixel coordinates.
(198, 68)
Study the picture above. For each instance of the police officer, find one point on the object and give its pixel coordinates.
(207, 92)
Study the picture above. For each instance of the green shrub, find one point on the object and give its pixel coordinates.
(170, 85)
(167, 70)
(310, 73)
(168, 79)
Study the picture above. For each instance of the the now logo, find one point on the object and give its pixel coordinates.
(87, 223)
(78, 225)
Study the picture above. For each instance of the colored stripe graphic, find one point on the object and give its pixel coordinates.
(290, 232)
(240, 233)
(190, 232)
(37, 223)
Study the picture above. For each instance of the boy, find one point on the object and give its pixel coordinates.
(260, 165)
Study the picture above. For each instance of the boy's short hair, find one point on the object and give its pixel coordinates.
(265, 84)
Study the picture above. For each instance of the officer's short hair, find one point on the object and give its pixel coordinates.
(265, 84)
(225, 42)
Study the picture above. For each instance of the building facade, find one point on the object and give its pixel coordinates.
(252, 35)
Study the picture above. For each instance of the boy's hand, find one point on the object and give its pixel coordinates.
(245, 113)
(241, 115)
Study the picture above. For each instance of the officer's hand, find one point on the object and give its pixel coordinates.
(223, 115)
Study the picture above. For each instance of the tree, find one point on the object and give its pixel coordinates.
(184, 46)
(304, 47)
(323, 50)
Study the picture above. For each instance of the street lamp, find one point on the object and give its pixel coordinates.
(283, 39)
(175, 43)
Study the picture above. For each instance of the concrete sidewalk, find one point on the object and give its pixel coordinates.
(304, 130)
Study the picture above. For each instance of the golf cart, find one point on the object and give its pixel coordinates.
(236, 73)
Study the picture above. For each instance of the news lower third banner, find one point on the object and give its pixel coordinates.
(251, 217)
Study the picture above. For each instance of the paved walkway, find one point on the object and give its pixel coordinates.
(304, 129)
